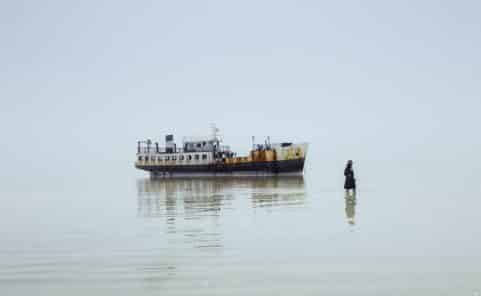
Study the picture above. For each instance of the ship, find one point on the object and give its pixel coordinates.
(208, 156)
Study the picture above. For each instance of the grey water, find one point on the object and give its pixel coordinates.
(128, 234)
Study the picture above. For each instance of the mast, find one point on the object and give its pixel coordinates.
(215, 131)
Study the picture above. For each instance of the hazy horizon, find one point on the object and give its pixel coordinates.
(392, 85)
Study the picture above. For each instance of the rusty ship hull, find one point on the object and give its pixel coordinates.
(284, 167)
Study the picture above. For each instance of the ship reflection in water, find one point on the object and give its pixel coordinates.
(192, 208)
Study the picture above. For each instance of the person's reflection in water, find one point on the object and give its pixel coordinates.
(350, 207)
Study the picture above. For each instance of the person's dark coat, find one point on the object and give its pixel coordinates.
(350, 182)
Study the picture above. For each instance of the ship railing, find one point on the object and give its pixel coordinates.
(159, 150)
(152, 149)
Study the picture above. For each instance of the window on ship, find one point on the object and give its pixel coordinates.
(196, 157)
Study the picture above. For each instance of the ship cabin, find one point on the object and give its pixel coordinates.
(194, 151)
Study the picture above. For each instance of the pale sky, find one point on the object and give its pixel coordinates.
(375, 81)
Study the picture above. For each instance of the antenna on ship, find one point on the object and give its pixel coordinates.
(215, 132)
(216, 138)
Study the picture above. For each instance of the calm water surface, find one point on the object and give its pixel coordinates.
(268, 236)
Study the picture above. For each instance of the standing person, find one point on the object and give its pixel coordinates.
(350, 182)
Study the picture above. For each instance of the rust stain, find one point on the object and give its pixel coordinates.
(254, 156)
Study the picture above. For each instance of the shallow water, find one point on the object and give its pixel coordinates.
(240, 236)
